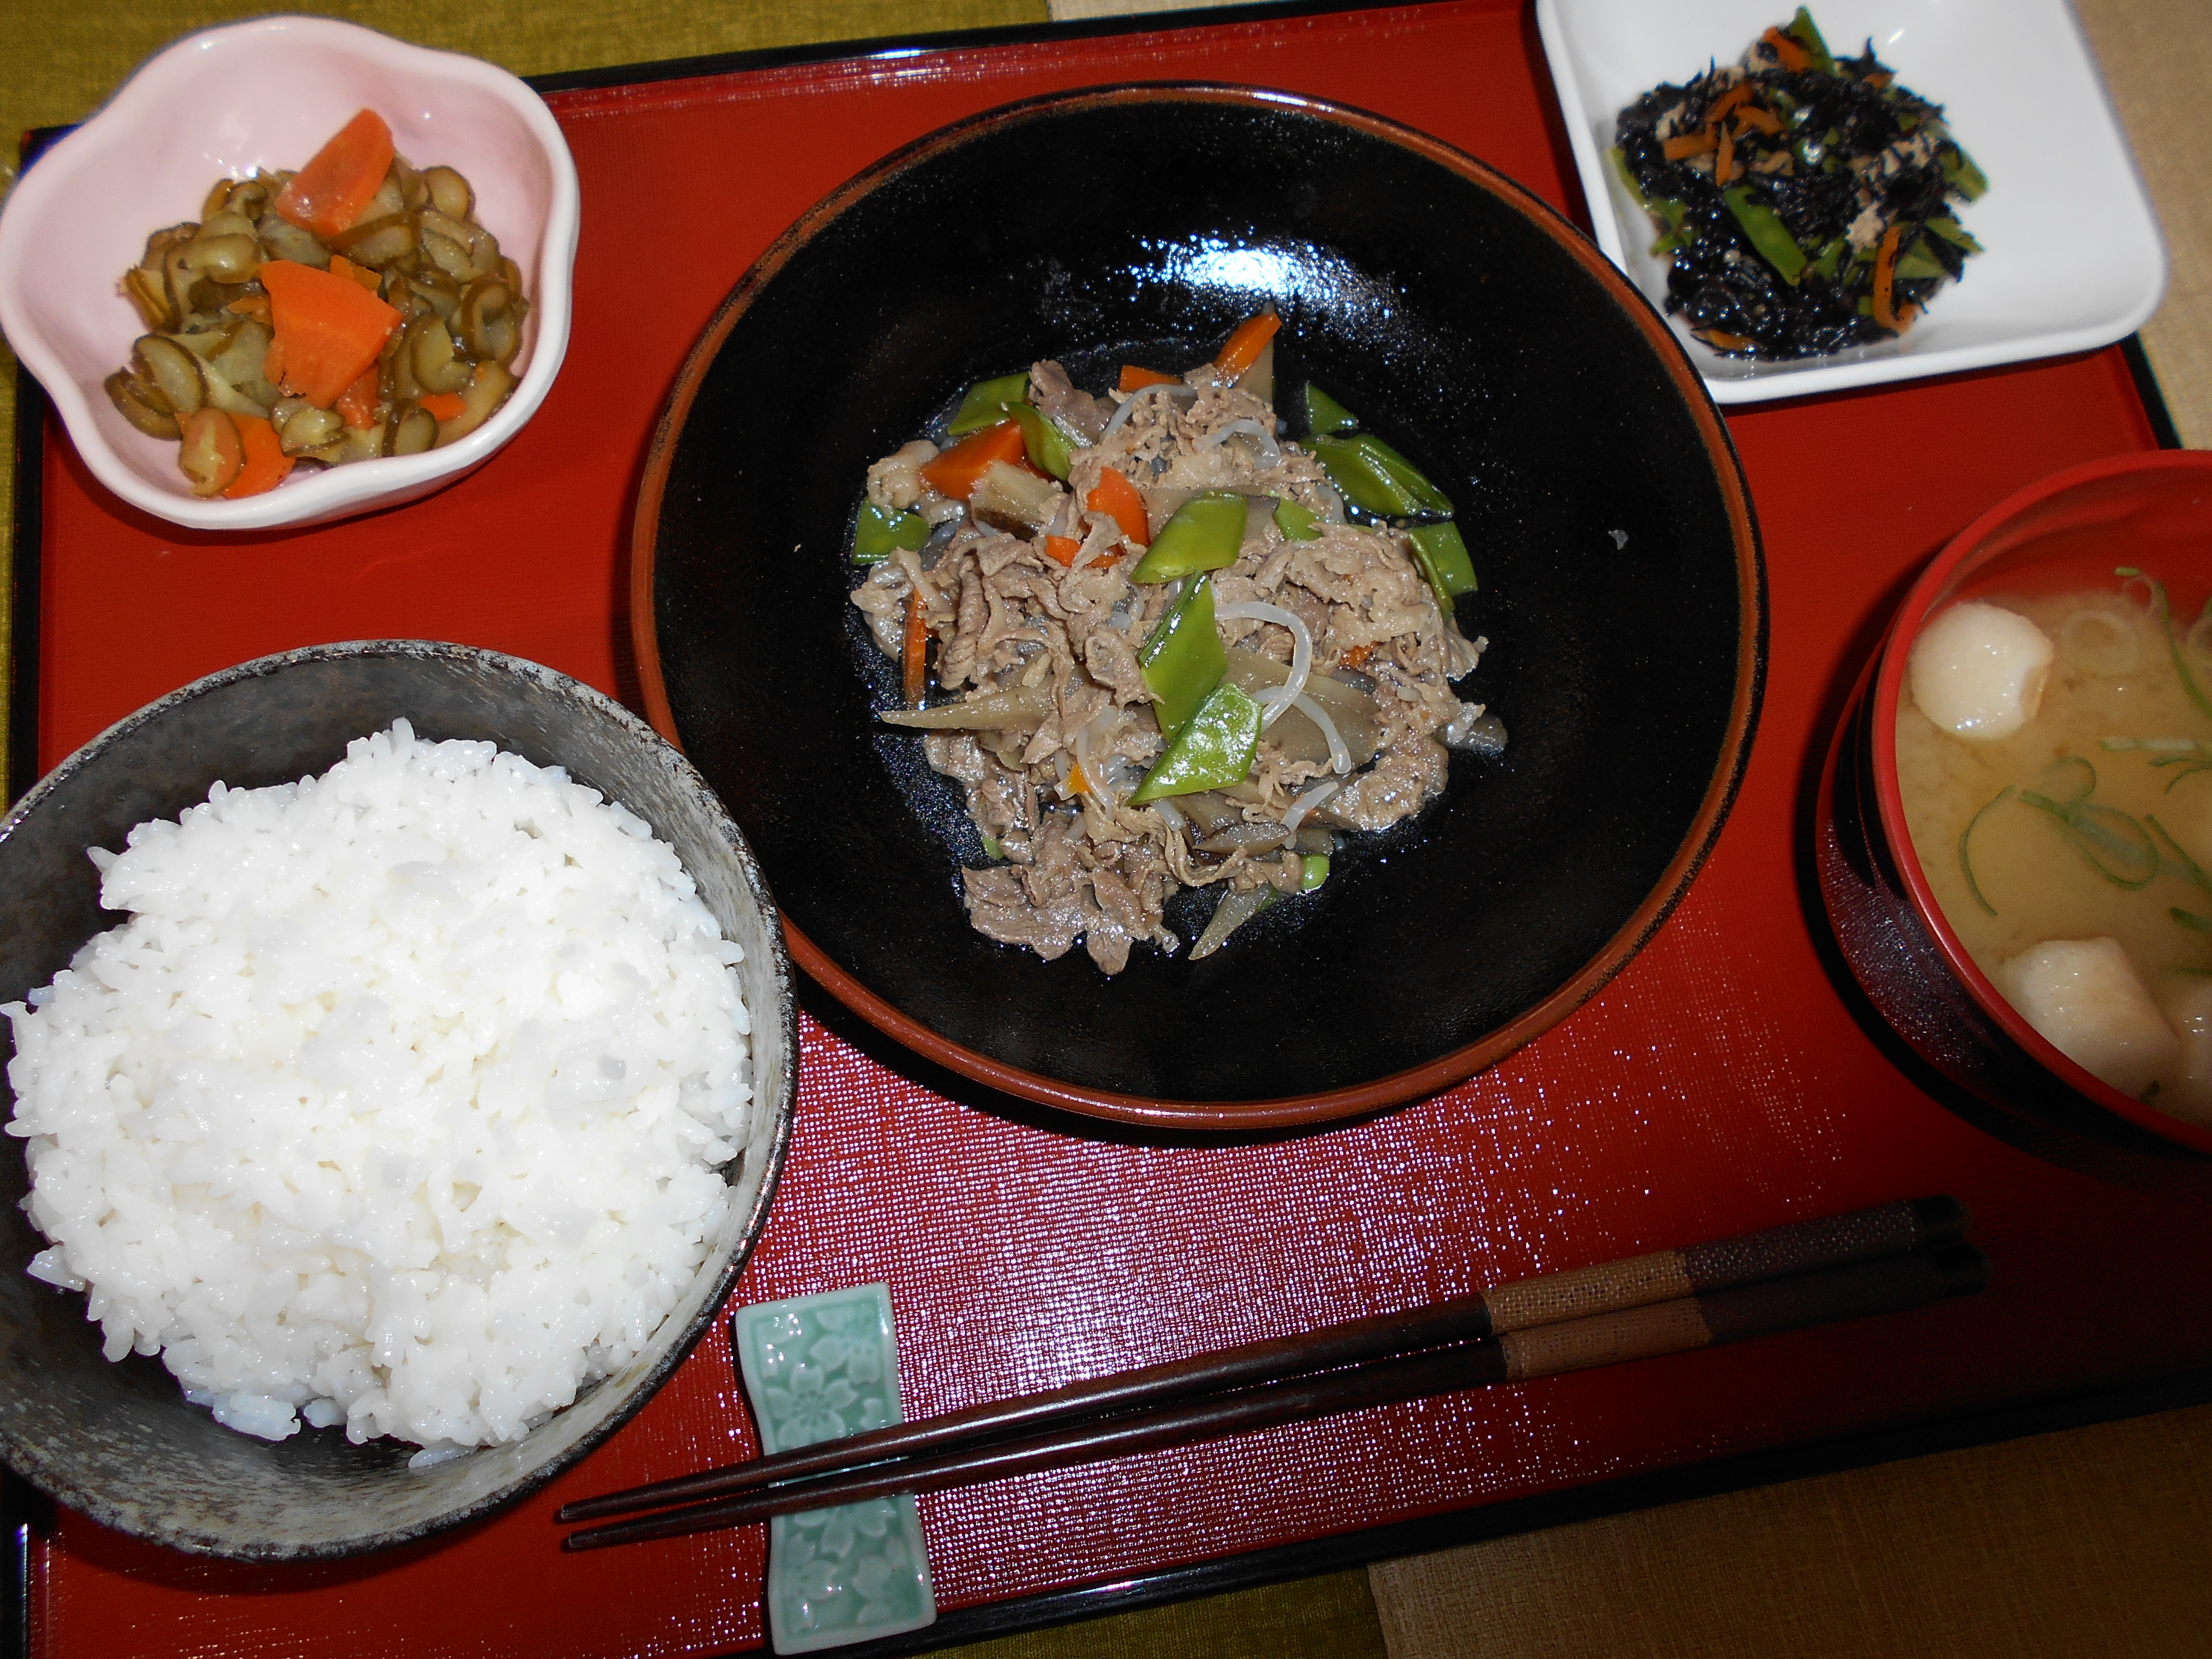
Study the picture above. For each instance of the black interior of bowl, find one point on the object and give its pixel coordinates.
(1449, 312)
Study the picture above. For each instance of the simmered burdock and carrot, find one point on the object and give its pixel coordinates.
(353, 309)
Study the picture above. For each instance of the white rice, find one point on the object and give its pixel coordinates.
(398, 1101)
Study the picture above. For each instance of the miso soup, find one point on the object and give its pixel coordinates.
(2070, 855)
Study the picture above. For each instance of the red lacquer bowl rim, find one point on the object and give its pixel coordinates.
(1960, 558)
(1232, 1115)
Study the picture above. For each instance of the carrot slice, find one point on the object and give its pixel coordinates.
(1765, 119)
(959, 469)
(1739, 93)
(1243, 348)
(1684, 145)
(444, 406)
(1885, 280)
(1117, 498)
(913, 656)
(1724, 163)
(1793, 56)
(1356, 656)
(265, 463)
(272, 359)
(1062, 547)
(357, 402)
(1136, 379)
(342, 266)
(329, 328)
(327, 195)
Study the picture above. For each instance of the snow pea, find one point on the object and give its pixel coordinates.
(1375, 477)
(880, 531)
(1444, 559)
(1213, 749)
(1203, 534)
(1300, 524)
(1325, 415)
(988, 403)
(1050, 448)
(1182, 658)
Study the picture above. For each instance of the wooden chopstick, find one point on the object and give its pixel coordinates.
(1885, 1284)
(1582, 1292)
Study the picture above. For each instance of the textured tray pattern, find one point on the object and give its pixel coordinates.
(1722, 1083)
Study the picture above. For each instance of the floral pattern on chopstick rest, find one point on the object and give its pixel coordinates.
(818, 1368)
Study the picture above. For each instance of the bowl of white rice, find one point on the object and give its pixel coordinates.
(402, 1060)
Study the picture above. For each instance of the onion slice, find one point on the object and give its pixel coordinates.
(1340, 757)
(1275, 700)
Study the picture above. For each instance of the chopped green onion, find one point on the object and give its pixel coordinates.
(2108, 841)
(2190, 919)
(1965, 837)
(2177, 858)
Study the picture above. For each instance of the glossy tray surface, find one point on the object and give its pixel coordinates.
(1722, 1082)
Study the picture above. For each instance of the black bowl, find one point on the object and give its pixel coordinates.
(1622, 586)
(119, 1441)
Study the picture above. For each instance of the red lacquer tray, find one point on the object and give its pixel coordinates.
(1722, 1082)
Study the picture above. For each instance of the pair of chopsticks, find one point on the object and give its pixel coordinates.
(1884, 1260)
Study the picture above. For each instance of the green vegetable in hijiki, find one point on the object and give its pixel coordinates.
(1213, 749)
(1183, 659)
(1804, 200)
(881, 529)
(988, 403)
(1204, 533)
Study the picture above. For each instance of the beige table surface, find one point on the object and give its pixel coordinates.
(2092, 1542)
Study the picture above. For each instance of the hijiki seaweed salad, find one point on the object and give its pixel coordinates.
(1807, 199)
(1161, 646)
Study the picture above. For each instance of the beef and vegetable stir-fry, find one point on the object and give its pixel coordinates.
(352, 309)
(1807, 200)
(1162, 646)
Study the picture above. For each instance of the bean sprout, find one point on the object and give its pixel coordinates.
(1340, 757)
(1277, 698)
(1306, 803)
(1270, 455)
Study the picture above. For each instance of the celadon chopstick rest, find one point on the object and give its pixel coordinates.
(819, 1368)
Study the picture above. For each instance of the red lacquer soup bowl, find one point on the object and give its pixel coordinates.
(2073, 532)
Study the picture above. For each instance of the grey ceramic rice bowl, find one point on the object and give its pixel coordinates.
(118, 1442)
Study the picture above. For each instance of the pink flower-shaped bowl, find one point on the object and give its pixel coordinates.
(266, 95)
